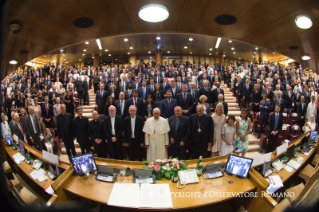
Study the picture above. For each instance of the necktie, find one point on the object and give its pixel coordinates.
(46, 109)
(174, 91)
(185, 98)
(21, 129)
(31, 118)
(144, 93)
(247, 85)
(152, 88)
(218, 90)
(177, 123)
(122, 108)
(193, 93)
(134, 101)
(101, 94)
(302, 105)
(169, 104)
(267, 91)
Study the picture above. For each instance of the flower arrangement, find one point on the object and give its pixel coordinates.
(165, 168)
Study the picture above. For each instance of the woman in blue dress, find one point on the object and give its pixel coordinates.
(243, 128)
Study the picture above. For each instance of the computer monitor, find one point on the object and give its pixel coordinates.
(290, 152)
(238, 166)
(9, 140)
(83, 163)
(313, 137)
(22, 149)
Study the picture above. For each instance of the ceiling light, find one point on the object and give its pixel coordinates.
(273, 52)
(166, 57)
(125, 39)
(64, 59)
(79, 59)
(84, 50)
(232, 48)
(15, 27)
(128, 53)
(168, 52)
(115, 59)
(109, 54)
(67, 62)
(210, 49)
(185, 47)
(86, 42)
(256, 48)
(254, 52)
(63, 54)
(98, 42)
(131, 47)
(83, 54)
(224, 55)
(305, 57)
(151, 57)
(158, 38)
(190, 39)
(106, 50)
(61, 50)
(92, 57)
(44, 55)
(303, 22)
(217, 43)
(191, 52)
(230, 41)
(234, 52)
(153, 13)
(239, 58)
(209, 54)
(149, 52)
(13, 62)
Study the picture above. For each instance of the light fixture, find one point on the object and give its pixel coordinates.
(168, 52)
(217, 43)
(209, 54)
(98, 42)
(185, 47)
(234, 52)
(106, 50)
(191, 52)
(67, 62)
(239, 58)
(151, 57)
(64, 59)
(149, 52)
(15, 27)
(109, 54)
(92, 57)
(128, 53)
(84, 50)
(166, 57)
(306, 57)
(230, 41)
(232, 48)
(63, 54)
(190, 39)
(303, 22)
(153, 13)
(125, 39)
(61, 50)
(131, 47)
(158, 38)
(115, 59)
(44, 55)
(256, 48)
(254, 52)
(83, 54)
(86, 42)
(79, 59)
(273, 52)
(210, 49)
(224, 55)
(13, 62)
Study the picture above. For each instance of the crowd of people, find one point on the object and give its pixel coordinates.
(177, 105)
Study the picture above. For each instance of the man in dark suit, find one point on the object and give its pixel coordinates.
(175, 90)
(225, 105)
(80, 130)
(275, 125)
(64, 128)
(185, 100)
(158, 78)
(143, 91)
(302, 110)
(167, 105)
(129, 92)
(112, 82)
(136, 83)
(133, 134)
(195, 96)
(100, 99)
(53, 95)
(96, 134)
(138, 102)
(216, 92)
(33, 129)
(121, 106)
(179, 133)
(246, 92)
(288, 97)
(47, 112)
(279, 101)
(165, 85)
(113, 129)
(215, 78)
(207, 92)
(297, 98)
(264, 107)
(17, 127)
(201, 127)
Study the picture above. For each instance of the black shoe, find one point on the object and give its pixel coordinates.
(258, 137)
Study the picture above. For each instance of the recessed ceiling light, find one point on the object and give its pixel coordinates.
(256, 48)
(84, 50)
(305, 57)
(158, 38)
(13, 62)
(106, 50)
(79, 59)
(217, 43)
(128, 53)
(115, 59)
(67, 62)
(61, 50)
(44, 55)
(131, 47)
(64, 59)
(109, 54)
(168, 52)
(15, 27)
(98, 42)
(63, 54)
(153, 13)
(254, 52)
(190, 39)
(209, 54)
(224, 55)
(86, 42)
(83, 54)
(149, 52)
(303, 22)
(273, 52)
(253, 56)
(92, 57)
(232, 48)
(185, 47)
(239, 58)
(234, 52)
(166, 57)
(230, 41)
(151, 57)
(210, 49)
(191, 52)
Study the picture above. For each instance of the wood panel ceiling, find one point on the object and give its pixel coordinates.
(48, 24)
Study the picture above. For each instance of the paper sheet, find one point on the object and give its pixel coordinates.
(260, 159)
(293, 164)
(37, 173)
(282, 148)
(288, 169)
(275, 181)
(18, 158)
(286, 140)
(124, 195)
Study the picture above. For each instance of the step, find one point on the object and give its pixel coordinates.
(234, 113)
(253, 147)
(77, 150)
(91, 106)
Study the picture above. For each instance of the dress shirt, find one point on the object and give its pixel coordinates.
(112, 123)
(133, 126)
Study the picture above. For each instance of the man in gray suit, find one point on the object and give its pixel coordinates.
(56, 109)
(33, 129)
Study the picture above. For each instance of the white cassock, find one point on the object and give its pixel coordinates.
(311, 110)
(156, 136)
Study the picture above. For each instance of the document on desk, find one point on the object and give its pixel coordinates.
(18, 158)
(294, 164)
(147, 196)
(37, 173)
(260, 159)
(282, 148)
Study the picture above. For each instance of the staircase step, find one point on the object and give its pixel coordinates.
(253, 148)
(77, 150)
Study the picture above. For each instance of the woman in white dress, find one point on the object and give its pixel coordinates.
(5, 129)
(228, 136)
(219, 120)
(310, 125)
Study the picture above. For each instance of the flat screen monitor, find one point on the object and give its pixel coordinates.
(22, 149)
(238, 166)
(291, 151)
(9, 140)
(83, 163)
(314, 136)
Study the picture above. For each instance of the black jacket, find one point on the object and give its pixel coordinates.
(182, 133)
(138, 131)
(80, 129)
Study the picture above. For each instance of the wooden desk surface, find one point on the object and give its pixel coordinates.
(205, 195)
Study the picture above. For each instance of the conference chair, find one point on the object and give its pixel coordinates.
(295, 132)
(263, 140)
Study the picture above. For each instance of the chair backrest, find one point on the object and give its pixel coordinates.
(295, 129)
(266, 130)
(257, 116)
(284, 132)
(286, 119)
(294, 116)
(251, 106)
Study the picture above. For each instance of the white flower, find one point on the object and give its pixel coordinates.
(164, 167)
(174, 160)
(167, 167)
(159, 160)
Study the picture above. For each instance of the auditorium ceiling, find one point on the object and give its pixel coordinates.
(47, 27)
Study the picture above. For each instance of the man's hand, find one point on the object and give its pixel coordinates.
(60, 139)
(125, 144)
(275, 133)
(32, 140)
(302, 117)
(141, 144)
(166, 146)
(243, 97)
(113, 139)
(146, 146)
(209, 144)
(172, 140)
(181, 143)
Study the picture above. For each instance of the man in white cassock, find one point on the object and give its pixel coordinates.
(156, 136)
(311, 109)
